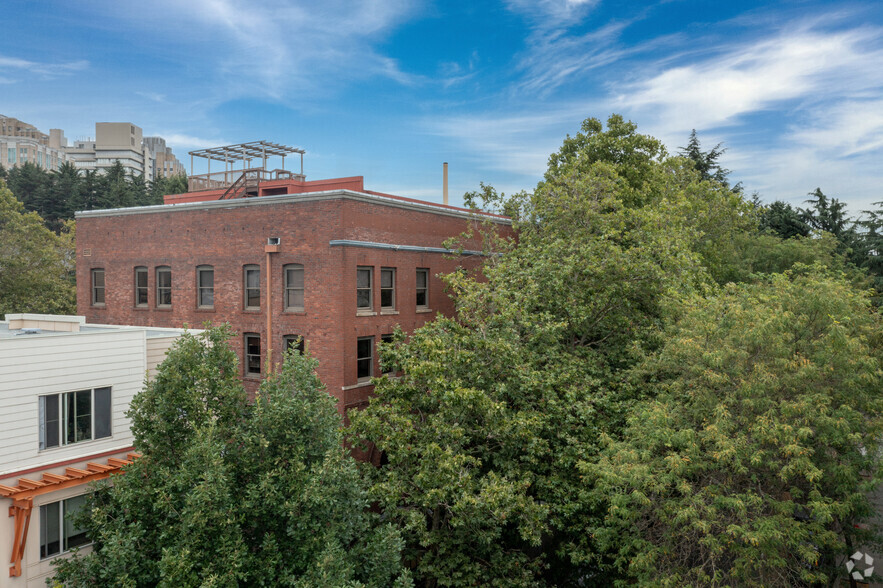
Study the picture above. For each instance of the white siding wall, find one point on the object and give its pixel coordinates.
(31, 366)
(157, 348)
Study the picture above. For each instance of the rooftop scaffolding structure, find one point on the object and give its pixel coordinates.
(244, 153)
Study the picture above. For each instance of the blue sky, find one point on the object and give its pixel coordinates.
(390, 89)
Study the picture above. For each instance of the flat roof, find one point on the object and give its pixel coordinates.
(150, 332)
(367, 196)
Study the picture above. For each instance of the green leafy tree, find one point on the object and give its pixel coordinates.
(36, 265)
(228, 493)
(482, 433)
(753, 457)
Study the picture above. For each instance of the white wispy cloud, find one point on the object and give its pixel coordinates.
(284, 50)
(45, 69)
(181, 143)
(800, 63)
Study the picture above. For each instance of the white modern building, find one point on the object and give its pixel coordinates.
(65, 388)
(125, 142)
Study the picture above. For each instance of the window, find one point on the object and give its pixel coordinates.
(164, 286)
(294, 342)
(74, 416)
(365, 358)
(205, 286)
(252, 287)
(386, 368)
(294, 287)
(422, 288)
(140, 286)
(387, 288)
(363, 288)
(98, 287)
(252, 354)
(57, 531)
(10, 155)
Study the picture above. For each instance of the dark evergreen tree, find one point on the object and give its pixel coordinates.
(781, 219)
(707, 162)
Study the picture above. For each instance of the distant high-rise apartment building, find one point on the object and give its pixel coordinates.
(21, 143)
(124, 142)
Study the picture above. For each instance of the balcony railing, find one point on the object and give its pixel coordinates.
(225, 179)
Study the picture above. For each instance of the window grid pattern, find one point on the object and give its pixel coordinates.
(363, 288)
(252, 287)
(294, 287)
(97, 287)
(163, 286)
(364, 358)
(205, 286)
(387, 288)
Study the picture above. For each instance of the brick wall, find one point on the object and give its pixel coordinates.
(229, 235)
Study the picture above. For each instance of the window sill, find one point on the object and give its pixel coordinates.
(365, 313)
(142, 308)
(164, 308)
(252, 376)
(99, 306)
(388, 312)
(205, 309)
(251, 310)
(423, 310)
(358, 385)
(295, 312)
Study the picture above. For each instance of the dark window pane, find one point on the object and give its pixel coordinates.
(73, 536)
(363, 368)
(253, 354)
(363, 278)
(386, 298)
(364, 357)
(421, 298)
(294, 342)
(50, 531)
(102, 413)
(70, 418)
(50, 421)
(386, 278)
(421, 278)
(363, 298)
(253, 278)
(84, 415)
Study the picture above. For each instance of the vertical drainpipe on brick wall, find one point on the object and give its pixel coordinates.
(271, 247)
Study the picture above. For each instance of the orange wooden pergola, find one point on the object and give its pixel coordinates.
(23, 495)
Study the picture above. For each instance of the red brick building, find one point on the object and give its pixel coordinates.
(326, 261)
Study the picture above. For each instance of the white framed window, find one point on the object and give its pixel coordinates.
(364, 287)
(73, 417)
(140, 286)
(422, 288)
(252, 354)
(205, 286)
(58, 533)
(163, 286)
(252, 283)
(98, 287)
(387, 288)
(294, 287)
(364, 358)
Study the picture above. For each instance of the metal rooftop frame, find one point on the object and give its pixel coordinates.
(240, 152)
(246, 151)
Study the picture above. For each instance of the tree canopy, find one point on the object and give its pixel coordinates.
(36, 265)
(503, 438)
(229, 493)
